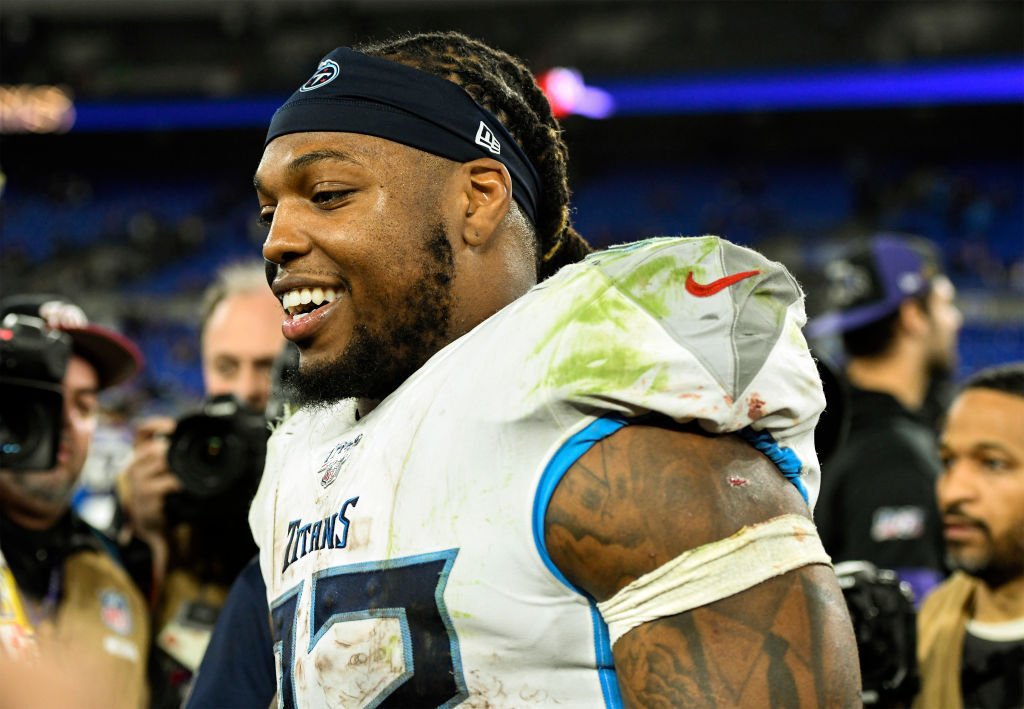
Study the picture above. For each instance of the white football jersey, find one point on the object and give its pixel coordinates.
(404, 552)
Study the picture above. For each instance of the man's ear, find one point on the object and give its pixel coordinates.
(488, 192)
(913, 317)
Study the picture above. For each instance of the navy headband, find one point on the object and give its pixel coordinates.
(352, 92)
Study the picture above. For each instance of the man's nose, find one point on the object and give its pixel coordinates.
(286, 239)
(957, 484)
(253, 388)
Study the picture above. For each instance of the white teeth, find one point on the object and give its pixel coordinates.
(293, 300)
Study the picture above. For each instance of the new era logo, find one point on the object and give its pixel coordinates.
(485, 138)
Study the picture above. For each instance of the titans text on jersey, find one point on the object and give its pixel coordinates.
(314, 536)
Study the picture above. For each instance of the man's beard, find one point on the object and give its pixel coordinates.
(995, 570)
(1002, 560)
(376, 362)
(943, 356)
(51, 489)
(942, 363)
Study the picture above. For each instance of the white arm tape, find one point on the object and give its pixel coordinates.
(715, 571)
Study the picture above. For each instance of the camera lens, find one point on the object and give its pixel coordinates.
(20, 430)
(219, 450)
(32, 364)
(211, 457)
(28, 435)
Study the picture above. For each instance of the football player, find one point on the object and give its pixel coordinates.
(518, 475)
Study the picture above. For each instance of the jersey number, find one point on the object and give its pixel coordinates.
(409, 590)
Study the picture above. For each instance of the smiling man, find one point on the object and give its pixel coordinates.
(589, 492)
(971, 630)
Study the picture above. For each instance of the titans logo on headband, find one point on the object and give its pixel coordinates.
(325, 73)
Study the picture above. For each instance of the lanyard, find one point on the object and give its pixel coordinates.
(17, 634)
(47, 606)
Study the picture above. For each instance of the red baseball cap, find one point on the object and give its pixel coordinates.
(115, 357)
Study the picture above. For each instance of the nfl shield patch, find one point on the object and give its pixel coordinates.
(115, 612)
(332, 466)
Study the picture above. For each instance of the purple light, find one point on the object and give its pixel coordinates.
(995, 82)
(568, 94)
(936, 85)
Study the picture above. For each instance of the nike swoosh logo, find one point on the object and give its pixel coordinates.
(703, 290)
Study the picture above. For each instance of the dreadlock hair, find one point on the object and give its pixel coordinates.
(504, 86)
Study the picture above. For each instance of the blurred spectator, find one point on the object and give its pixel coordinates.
(62, 589)
(198, 550)
(899, 327)
(971, 629)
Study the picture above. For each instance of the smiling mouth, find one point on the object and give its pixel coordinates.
(301, 302)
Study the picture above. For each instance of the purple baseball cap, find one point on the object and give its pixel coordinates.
(115, 357)
(871, 279)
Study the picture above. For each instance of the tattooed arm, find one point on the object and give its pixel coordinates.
(646, 494)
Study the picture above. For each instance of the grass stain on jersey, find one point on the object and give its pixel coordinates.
(607, 370)
(650, 284)
(596, 356)
(602, 306)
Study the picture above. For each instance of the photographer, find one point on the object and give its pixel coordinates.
(177, 492)
(63, 593)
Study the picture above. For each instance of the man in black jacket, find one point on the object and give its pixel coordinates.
(895, 312)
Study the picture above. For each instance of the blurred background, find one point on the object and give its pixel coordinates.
(130, 130)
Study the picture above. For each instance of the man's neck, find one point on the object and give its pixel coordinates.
(1001, 604)
(33, 553)
(365, 406)
(901, 377)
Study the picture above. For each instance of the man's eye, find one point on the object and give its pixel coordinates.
(88, 407)
(329, 196)
(994, 464)
(265, 218)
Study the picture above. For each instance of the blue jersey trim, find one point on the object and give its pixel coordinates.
(785, 459)
(605, 661)
(571, 451)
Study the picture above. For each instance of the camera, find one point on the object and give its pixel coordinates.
(33, 359)
(885, 624)
(217, 453)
